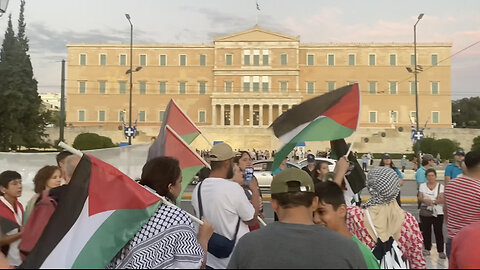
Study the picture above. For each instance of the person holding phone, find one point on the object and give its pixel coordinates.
(244, 162)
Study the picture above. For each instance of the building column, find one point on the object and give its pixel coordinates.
(241, 115)
(260, 116)
(232, 114)
(270, 114)
(251, 114)
(214, 115)
(222, 115)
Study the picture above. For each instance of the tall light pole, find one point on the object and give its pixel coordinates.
(3, 6)
(131, 74)
(415, 66)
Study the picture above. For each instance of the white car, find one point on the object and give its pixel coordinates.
(262, 169)
(331, 162)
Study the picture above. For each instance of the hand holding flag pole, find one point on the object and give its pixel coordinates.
(165, 201)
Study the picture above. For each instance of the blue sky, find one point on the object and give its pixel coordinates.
(53, 23)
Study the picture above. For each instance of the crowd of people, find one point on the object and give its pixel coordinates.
(315, 227)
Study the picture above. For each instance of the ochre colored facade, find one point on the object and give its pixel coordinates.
(249, 78)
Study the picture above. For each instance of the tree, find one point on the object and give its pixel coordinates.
(466, 112)
(446, 148)
(89, 141)
(21, 120)
(476, 144)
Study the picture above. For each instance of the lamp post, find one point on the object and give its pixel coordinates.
(3, 6)
(131, 74)
(415, 66)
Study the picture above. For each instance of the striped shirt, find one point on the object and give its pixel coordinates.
(462, 196)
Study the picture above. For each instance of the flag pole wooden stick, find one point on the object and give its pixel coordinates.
(261, 221)
(165, 201)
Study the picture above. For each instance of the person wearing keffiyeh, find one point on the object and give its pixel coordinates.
(387, 216)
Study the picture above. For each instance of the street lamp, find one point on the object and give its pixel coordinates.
(3, 6)
(131, 73)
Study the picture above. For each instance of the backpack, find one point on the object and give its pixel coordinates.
(388, 253)
(36, 223)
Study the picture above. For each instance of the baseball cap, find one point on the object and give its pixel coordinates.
(222, 152)
(460, 152)
(386, 156)
(428, 157)
(292, 180)
(310, 158)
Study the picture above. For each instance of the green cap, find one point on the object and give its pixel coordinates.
(292, 180)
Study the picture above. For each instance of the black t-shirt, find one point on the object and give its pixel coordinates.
(308, 171)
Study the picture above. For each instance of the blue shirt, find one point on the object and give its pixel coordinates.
(452, 170)
(420, 175)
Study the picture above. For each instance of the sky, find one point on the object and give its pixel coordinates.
(51, 24)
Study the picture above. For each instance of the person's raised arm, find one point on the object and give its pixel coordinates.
(341, 169)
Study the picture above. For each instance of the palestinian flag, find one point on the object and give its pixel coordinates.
(172, 145)
(8, 222)
(328, 117)
(100, 211)
(180, 122)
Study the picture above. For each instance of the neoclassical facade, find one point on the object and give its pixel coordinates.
(251, 77)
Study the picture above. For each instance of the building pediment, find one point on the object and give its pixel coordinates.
(257, 34)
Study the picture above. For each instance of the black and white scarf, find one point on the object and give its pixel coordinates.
(383, 185)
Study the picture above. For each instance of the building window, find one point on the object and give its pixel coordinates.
(202, 88)
(203, 60)
(122, 87)
(372, 87)
(246, 57)
(143, 88)
(284, 59)
(330, 86)
(81, 116)
(83, 59)
(371, 60)
(310, 59)
(143, 60)
(102, 87)
(161, 115)
(393, 88)
(412, 88)
(265, 86)
(373, 117)
(256, 58)
(351, 59)
(393, 117)
(163, 88)
(103, 59)
(82, 87)
(331, 59)
(123, 59)
(101, 116)
(435, 88)
(412, 60)
(183, 59)
(182, 88)
(228, 59)
(256, 86)
(228, 86)
(202, 116)
(284, 86)
(163, 60)
(265, 55)
(142, 116)
(434, 60)
(246, 84)
(413, 116)
(393, 59)
(435, 117)
(310, 87)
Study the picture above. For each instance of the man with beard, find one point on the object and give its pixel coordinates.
(223, 202)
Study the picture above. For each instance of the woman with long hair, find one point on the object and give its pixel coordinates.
(386, 161)
(168, 239)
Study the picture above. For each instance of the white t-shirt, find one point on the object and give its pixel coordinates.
(223, 203)
(432, 195)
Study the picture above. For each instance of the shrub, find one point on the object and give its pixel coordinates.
(446, 148)
(88, 141)
(476, 144)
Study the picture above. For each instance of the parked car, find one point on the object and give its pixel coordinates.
(331, 162)
(262, 169)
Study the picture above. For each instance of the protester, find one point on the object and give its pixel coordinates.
(462, 197)
(431, 195)
(387, 217)
(438, 159)
(61, 161)
(386, 161)
(224, 203)
(168, 239)
(47, 178)
(295, 241)
(310, 167)
(332, 212)
(465, 249)
(403, 162)
(11, 215)
(370, 158)
(364, 163)
(427, 162)
(454, 169)
(320, 170)
(70, 164)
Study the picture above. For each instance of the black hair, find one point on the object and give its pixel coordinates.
(425, 162)
(382, 163)
(294, 199)
(61, 156)
(329, 193)
(318, 165)
(215, 165)
(160, 172)
(430, 170)
(237, 158)
(472, 159)
(7, 176)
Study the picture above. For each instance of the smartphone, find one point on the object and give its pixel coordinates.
(248, 175)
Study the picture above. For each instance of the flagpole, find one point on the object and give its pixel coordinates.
(261, 221)
(70, 149)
